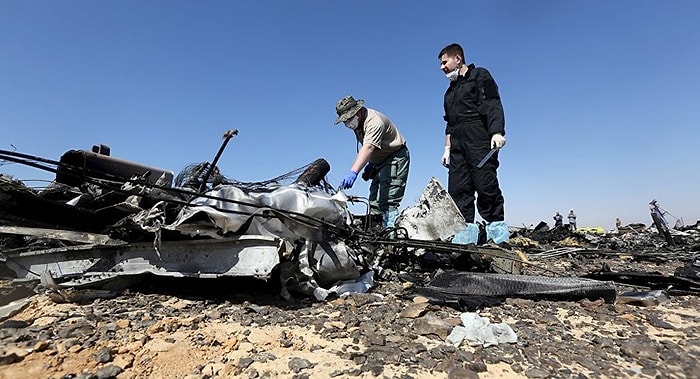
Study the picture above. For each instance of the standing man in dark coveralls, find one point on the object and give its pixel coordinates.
(475, 125)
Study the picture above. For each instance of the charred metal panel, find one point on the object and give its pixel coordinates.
(77, 165)
(20, 205)
(435, 217)
(675, 285)
(66, 235)
(254, 256)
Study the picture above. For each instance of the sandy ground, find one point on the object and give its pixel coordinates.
(201, 346)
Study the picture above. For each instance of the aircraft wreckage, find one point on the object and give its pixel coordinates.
(104, 218)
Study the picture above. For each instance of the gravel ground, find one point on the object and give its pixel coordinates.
(241, 328)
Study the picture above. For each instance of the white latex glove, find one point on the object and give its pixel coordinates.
(446, 157)
(498, 141)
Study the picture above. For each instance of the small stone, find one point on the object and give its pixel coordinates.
(536, 372)
(103, 355)
(108, 372)
(244, 362)
(297, 364)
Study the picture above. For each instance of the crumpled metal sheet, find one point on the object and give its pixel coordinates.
(435, 217)
(269, 227)
(235, 216)
(319, 263)
(319, 267)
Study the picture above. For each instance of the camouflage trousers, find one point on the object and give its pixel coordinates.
(389, 184)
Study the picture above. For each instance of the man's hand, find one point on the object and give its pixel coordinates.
(446, 157)
(349, 180)
(498, 141)
(369, 172)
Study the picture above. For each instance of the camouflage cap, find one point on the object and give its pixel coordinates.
(346, 108)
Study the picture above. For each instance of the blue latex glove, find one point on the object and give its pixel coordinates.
(349, 180)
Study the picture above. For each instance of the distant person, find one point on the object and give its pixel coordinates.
(383, 155)
(657, 215)
(475, 126)
(572, 220)
(558, 220)
(618, 223)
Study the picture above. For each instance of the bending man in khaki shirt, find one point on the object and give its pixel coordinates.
(383, 155)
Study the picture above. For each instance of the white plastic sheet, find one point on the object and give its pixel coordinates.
(479, 330)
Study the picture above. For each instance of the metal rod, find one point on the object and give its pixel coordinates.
(486, 158)
(227, 137)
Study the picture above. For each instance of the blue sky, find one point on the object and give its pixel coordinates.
(601, 97)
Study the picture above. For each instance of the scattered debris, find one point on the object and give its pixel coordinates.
(104, 218)
(645, 298)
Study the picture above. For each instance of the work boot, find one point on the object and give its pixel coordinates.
(497, 231)
(469, 235)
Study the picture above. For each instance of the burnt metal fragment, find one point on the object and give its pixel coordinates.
(458, 287)
(78, 166)
(674, 285)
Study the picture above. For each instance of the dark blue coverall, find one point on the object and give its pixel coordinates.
(474, 112)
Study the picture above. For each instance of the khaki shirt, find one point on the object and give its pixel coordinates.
(379, 131)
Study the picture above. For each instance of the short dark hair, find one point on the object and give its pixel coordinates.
(452, 50)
